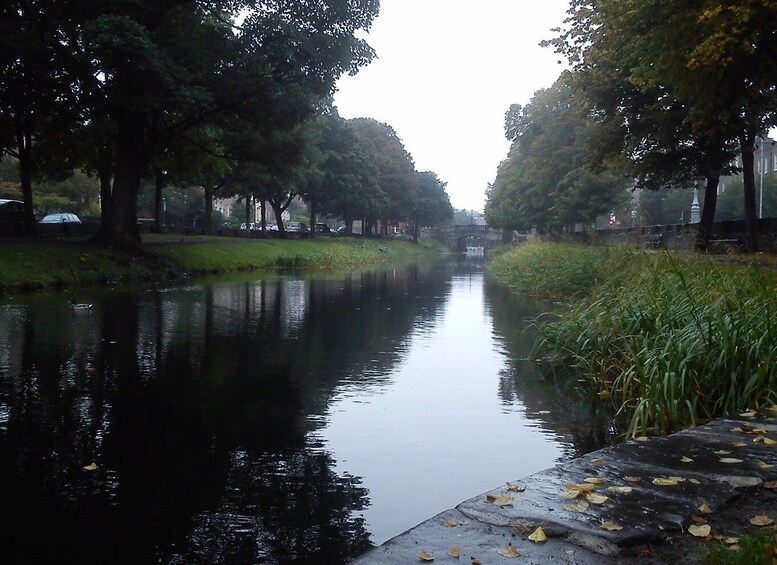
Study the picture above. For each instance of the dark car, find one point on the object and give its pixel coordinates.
(61, 218)
(11, 217)
(323, 228)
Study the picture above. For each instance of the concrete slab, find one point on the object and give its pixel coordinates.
(653, 488)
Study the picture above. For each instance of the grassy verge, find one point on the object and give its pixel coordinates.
(44, 264)
(673, 341)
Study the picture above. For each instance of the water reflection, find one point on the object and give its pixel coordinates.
(229, 421)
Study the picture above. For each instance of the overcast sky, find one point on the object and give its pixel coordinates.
(446, 73)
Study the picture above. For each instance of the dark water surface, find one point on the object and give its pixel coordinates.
(269, 421)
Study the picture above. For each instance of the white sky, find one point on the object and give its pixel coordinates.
(446, 73)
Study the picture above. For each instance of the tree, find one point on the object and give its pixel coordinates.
(543, 182)
(433, 206)
(146, 72)
(710, 63)
(394, 173)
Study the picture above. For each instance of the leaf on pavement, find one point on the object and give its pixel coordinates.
(765, 440)
(632, 479)
(722, 452)
(665, 481)
(577, 506)
(594, 480)
(619, 489)
(699, 531)
(748, 414)
(538, 536)
(455, 551)
(764, 465)
(705, 508)
(685, 459)
(770, 484)
(515, 487)
(503, 500)
(580, 487)
(424, 555)
(761, 520)
(730, 460)
(509, 551)
(610, 525)
(90, 467)
(597, 460)
(596, 498)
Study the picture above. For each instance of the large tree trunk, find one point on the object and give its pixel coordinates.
(707, 213)
(122, 231)
(747, 142)
(24, 148)
(105, 173)
(277, 209)
(159, 184)
(208, 225)
(312, 232)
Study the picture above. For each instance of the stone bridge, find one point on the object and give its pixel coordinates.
(459, 237)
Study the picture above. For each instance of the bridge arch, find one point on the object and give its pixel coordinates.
(455, 236)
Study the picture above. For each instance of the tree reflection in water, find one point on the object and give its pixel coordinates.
(197, 404)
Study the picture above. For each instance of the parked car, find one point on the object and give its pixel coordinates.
(61, 218)
(323, 228)
(342, 230)
(297, 227)
(252, 226)
(11, 217)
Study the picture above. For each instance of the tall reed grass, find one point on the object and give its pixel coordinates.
(673, 341)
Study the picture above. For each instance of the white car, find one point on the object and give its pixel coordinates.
(60, 218)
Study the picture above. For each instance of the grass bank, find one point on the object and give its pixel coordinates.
(672, 340)
(45, 264)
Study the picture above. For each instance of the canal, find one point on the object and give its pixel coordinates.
(286, 419)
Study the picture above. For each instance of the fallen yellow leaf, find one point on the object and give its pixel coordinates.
(665, 481)
(424, 555)
(604, 393)
(730, 540)
(694, 481)
(705, 508)
(621, 490)
(632, 479)
(509, 551)
(641, 438)
(538, 536)
(503, 500)
(764, 465)
(771, 408)
(455, 551)
(765, 440)
(597, 460)
(762, 520)
(722, 452)
(578, 487)
(739, 444)
(735, 547)
(609, 525)
(729, 460)
(685, 459)
(748, 414)
(596, 498)
(699, 531)
(569, 494)
(515, 487)
(594, 480)
(453, 523)
(90, 467)
(737, 430)
(770, 484)
(577, 506)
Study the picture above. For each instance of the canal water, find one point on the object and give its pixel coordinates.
(279, 420)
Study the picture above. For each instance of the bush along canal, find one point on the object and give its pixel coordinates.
(298, 418)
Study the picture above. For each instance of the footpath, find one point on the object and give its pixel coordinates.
(648, 500)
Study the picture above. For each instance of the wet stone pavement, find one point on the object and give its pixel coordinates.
(655, 488)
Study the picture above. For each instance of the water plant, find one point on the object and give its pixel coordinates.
(673, 341)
